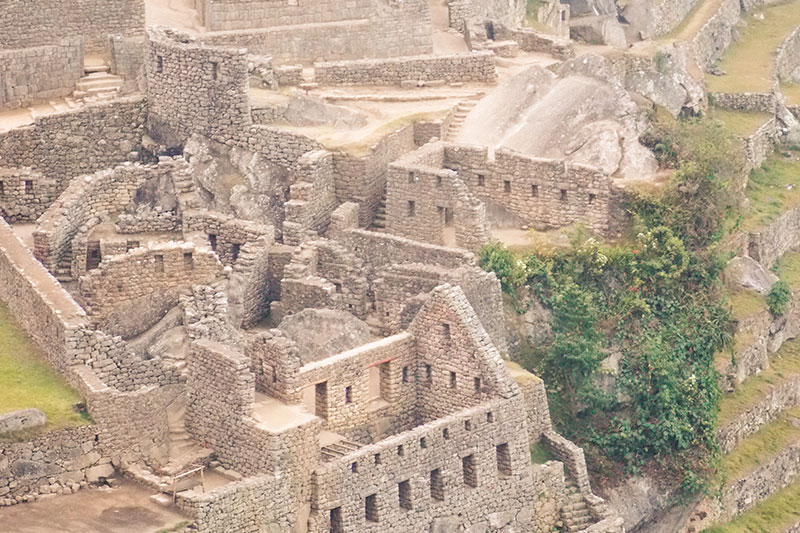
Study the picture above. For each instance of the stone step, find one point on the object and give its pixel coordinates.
(161, 499)
(87, 84)
(91, 69)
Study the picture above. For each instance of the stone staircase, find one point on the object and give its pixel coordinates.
(379, 222)
(63, 271)
(183, 451)
(339, 449)
(576, 514)
(97, 84)
(460, 114)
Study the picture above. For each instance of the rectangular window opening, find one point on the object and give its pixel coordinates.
(348, 394)
(235, 249)
(321, 399)
(477, 383)
(214, 70)
(446, 433)
(2, 188)
(437, 485)
(563, 195)
(159, 64)
(468, 425)
(411, 208)
(490, 416)
(401, 451)
(212, 242)
(438, 181)
(405, 374)
(507, 186)
(503, 459)
(481, 180)
(423, 443)
(159, 261)
(336, 520)
(446, 331)
(534, 190)
(377, 458)
(371, 508)
(592, 198)
(411, 177)
(428, 373)
(354, 467)
(404, 494)
(470, 471)
(188, 261)
(452, 380)
(28, 187)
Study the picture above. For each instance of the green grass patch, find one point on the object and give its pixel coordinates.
(27, 380)
(776, 513)
(747, 62)
(788, 269)
(740, 122)
(746, 303)
(540, 454)
(772, 189)
(761, 446)
(785, 363)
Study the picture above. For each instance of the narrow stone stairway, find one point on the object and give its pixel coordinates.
(339, 449)
(379, 222)
(459, 116)
(98, 83)
(184, 452)
(575, 513)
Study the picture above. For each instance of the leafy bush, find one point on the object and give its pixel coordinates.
(778, 298)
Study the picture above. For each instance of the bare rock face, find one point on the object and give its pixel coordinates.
(320, 333)
(310, 111)
(583, 8)
(22, 419)
(602, 29)
(745, 272)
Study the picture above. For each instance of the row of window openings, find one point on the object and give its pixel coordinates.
(236, 248)
(214, 67)
(188, 261)
(423, 442)
(28, 187)
(469, 472)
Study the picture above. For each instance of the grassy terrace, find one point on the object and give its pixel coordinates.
(772, 189)
(792, 93)
(777, 513)
(785, 363)
(739, 122)
(748, 61)
(788, 269)
(26, 380)
(762, 446)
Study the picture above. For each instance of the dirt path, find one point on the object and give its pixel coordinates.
(125, 509)
(445, 41)
(178, 14)
(696, 20)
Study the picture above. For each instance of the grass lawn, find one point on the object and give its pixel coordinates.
(540, 454)
(772, 189)
(739, 122)
(788, 269)
(27, 380)
(776, 513)
(746, 303)
(784, 363)
(747, 62)
(761, 446)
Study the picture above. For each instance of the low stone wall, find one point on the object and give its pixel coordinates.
(262, 503)
(68, 144)
(762, 143)
(770, 243)
(380, 249)
(33, 75)
(532, 41)
(779, 398)
(58, 462)
(473, 67)
(717, 34)
(787, 59)
(747, 102)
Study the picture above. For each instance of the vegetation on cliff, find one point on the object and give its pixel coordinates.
(649, 311)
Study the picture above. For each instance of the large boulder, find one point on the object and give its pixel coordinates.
(747, 273)
(22, 419)
(320, 333)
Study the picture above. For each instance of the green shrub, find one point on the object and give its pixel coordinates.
(778, 298)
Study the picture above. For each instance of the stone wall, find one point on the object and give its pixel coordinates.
(312, 197)
(52, 20)
(326, 31)
(770, 243)
(468, 469)
(64, 145)
(24, 194)
(254, 503)
(128, 293)
(762, 143)
(532, 41)
(779, 398)
(88, 201)
(473, 67)
(228, 232)
(58, 462)
(380, 249)
(362, 179)
(41, 73)
(127, 60)
(717, 34)
(747, 102)
(787, 59)
(463, 12)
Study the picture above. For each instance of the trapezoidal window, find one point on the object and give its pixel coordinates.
(212, 242)
(437, 485)
(469, 470)
(236, 248)
(371, 508)
(563, 196)
(188, 261)
(534, 191)
(506, 186)
(336, 520)
(412, 208)
(592, 198)
(503, 459)
(481, 180)
(159, 262)
(404, 494)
